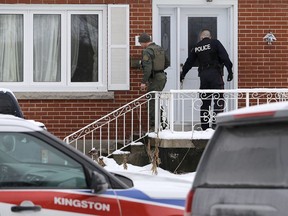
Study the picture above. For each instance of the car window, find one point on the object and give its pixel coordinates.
(247, 155)
(27, 161)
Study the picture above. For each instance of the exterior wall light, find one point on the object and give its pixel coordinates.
(269, 38)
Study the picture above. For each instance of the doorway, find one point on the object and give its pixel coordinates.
(177, 27)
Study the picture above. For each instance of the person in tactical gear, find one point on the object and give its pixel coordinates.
(154, 62)
(212, 57)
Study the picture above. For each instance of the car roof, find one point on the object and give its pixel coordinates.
(256, 112)
(12, 123)
(9, 103)
(6, 90)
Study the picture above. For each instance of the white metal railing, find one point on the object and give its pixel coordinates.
(182, 107)
(115, 130)
(175, 110)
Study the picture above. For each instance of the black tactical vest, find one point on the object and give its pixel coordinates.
(159, 57)
(207, 55)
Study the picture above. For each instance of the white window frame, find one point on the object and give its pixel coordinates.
(65, 85)
(28, 54)
(90, 85)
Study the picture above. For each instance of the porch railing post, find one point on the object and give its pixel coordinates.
(171, 113)
(247, 99)
(157, 111)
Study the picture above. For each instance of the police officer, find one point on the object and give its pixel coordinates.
(211, 56)
(154, 62)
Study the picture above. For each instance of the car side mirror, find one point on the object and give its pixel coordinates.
(98, 183)
(124, 179)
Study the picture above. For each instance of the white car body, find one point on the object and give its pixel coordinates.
(41, 175)
(159, 186)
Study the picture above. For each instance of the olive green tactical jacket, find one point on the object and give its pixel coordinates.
(147, 62)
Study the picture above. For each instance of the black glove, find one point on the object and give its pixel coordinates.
(181, 77)
(230, 77)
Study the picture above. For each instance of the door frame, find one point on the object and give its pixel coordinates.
(230, 5)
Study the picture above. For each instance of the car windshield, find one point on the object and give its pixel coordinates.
(247, 155)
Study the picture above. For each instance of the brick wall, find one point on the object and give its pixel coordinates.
(260, 64)
(63, 117)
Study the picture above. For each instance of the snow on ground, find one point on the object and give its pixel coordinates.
(145, 173)
(112, 166)
(167, 134)
(164, 183)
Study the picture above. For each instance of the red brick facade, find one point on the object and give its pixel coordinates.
(63, 117)
(259, 64)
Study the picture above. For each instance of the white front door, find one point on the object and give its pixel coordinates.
(191, 23)
(179, 29)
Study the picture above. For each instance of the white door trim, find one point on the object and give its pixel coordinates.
(231, 5)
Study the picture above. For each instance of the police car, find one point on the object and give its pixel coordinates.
(42, 175)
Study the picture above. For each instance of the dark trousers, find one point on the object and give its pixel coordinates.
(207, 115)
(210, 78)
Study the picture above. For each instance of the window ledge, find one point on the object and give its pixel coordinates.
(64, 95)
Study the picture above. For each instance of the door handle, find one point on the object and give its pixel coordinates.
(181, 67)
(26, 206)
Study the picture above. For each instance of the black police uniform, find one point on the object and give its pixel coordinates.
(211, 56)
